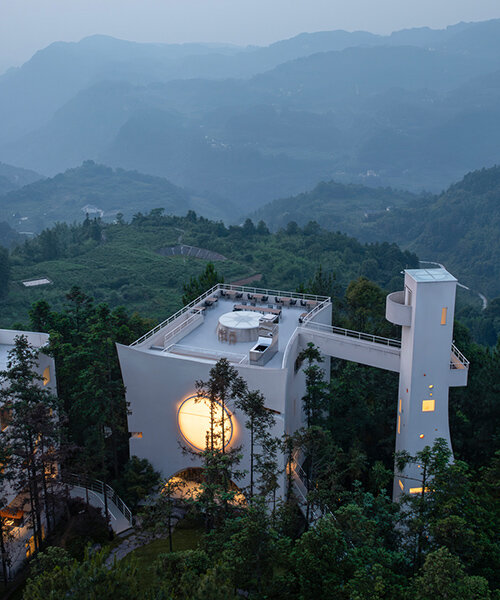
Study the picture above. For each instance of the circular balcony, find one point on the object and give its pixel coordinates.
(396, 311)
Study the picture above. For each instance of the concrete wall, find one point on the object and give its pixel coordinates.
(425, 362)
(157, 384)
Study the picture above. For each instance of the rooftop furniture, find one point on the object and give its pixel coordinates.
(260, 309)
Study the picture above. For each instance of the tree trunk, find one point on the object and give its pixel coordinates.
(4, 554)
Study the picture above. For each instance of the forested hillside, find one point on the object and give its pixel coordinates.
(12, 178)
(125, 264)
(338, 207)
(99, 191)
(459, 227)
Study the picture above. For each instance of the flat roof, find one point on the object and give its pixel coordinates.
(429, 275)
(205, 337)
(201, 340)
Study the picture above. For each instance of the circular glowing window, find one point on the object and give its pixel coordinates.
(194, 422)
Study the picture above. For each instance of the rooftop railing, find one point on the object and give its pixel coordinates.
(359, 335)
(208, 354)
(196, 316)
(321, 301)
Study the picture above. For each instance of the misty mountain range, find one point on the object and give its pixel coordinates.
(413, 110)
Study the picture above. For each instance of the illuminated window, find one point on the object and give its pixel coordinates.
(418, 490)
(401, 484)
(428, 405)
(421, 436)
(136, 434)
(46, 375)
(399, 423)
(444, 311)
(5, 417)
(431, 386)
(194, 422)
(400, 404)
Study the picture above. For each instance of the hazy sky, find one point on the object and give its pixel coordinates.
(28, 25)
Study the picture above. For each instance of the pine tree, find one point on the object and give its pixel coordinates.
(219, 462)
(259, 421)
(33, 435)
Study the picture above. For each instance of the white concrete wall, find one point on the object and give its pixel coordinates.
(425, 361)
(156, 385)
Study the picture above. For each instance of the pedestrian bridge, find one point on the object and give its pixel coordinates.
(371, 350)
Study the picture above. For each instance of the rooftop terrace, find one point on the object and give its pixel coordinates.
(196, 331)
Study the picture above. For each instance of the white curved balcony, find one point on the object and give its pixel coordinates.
(396, 311)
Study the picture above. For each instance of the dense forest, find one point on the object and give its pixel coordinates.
(127, 263)
(443, 543)
(458, 228)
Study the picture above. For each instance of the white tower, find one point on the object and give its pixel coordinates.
(429, 365)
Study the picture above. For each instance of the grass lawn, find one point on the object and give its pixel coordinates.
(185, 537)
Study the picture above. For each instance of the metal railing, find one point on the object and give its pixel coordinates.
(359, 335)
(95, 485)
(204, 353)
(175, 316)
(196, 316)
(460, 358)
(321, 300)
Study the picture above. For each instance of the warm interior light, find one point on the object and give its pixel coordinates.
(443, 315)
(46, 375)
(194, 422)
(430, 387)
(399, 423)
(418, 490)
(421, 436)
(428, 406)
(401, 484)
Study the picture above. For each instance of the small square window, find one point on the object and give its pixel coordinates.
(428, 405)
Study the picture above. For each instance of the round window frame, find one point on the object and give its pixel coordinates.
(184, 437)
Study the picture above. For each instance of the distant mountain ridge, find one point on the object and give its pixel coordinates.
(414, 110)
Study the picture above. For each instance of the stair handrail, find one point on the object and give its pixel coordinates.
(96, 485)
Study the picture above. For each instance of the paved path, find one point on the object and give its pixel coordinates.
(136, 539)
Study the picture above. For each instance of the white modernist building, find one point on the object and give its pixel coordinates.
(261, 332)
